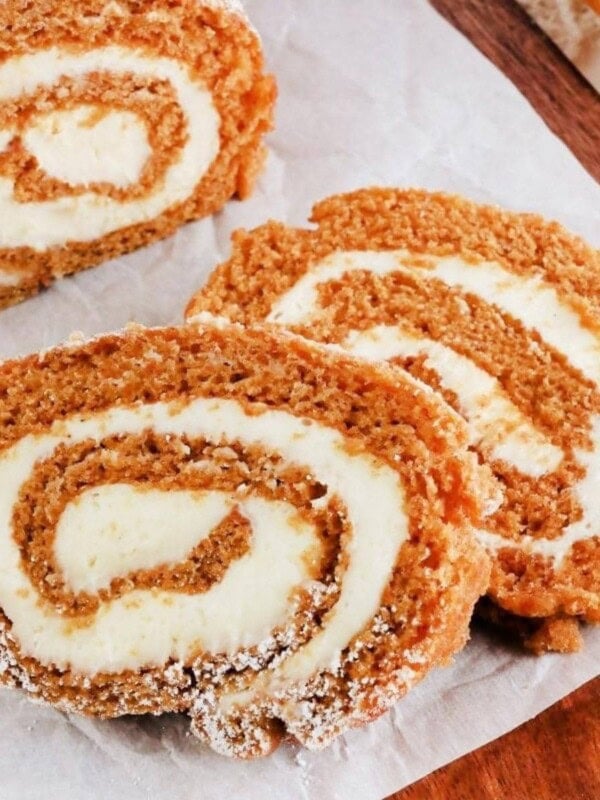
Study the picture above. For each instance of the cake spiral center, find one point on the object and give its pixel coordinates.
(88, 144)
(54, 220)
(257, 592)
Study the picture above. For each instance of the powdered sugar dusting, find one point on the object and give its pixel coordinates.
(232, 6)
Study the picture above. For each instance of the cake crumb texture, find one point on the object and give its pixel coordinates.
(238, 426)
(149, 67)
(500, 313)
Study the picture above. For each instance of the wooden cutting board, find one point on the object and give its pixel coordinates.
(556, 756)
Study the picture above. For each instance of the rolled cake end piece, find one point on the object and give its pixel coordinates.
(270, 536)
(498, 312)
(119, 122)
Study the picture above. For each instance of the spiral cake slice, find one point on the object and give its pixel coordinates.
(238, 524)
(120, 121)
(500, 313)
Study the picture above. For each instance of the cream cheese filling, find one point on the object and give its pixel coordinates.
(77, 148)
(495, 423)
(588, 496)
(148, 626)
(529, 299)
(85, 217)
(114, 529)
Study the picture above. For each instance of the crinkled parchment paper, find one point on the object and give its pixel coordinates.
(378, 92)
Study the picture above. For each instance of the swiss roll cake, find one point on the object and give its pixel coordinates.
(120, 121)
(273, 537)
(500, 314)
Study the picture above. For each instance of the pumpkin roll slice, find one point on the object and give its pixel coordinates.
(499, 313)
(240, 525)
(120, 121)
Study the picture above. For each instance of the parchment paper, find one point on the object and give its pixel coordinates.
(381, 92)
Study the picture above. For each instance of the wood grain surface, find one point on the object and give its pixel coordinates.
(555, 88)
(556, 756)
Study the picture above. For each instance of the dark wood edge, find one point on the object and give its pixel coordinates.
(555, 756)
(504, 33)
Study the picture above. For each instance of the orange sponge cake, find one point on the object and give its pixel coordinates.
(238, 524)
(498, 312)
(119, 121)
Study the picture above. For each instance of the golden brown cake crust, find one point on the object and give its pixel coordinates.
(423, 616)
(538, 634)
(558, 399)
(218, 47)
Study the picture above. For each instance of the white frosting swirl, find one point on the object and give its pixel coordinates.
(48, 223)
(146, 627)
(494, 420)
